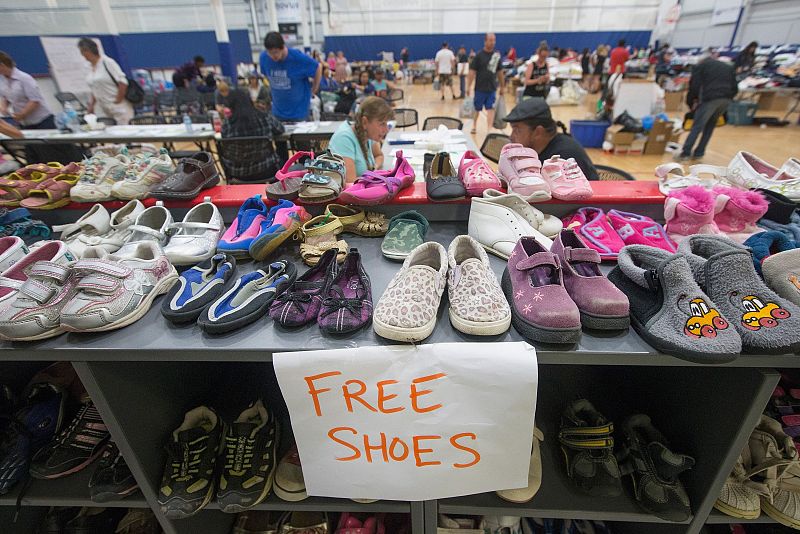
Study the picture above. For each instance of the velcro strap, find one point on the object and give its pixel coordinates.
(104, 267)
(540, 258)
(593, 437)
(581, 255)
(10, 282)
(520, 152)
(36, 290)
(203, 226)
(99, 283)
(49, 269)
(146, 230)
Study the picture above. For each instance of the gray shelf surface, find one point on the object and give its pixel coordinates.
(71, 490)
(153, 338)
(718, 518)
(327, 504)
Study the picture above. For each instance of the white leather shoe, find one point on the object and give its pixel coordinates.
(117, 234)
(12, 249)
(195, 238)
(498, 222)
(549, 225)
(93, 223)
(750, 172)
(151, 225)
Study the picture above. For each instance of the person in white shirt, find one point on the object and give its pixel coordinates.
(107, 83)
(445, 64)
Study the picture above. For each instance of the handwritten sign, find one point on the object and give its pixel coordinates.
(412, 423)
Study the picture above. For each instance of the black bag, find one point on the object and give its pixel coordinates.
(347, 97)
(134, 93)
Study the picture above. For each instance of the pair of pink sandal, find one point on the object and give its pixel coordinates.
(379, 187)
(608, 233)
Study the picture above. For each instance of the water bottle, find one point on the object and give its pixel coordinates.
(187, 123)
(315, 114)
(216, 121)
(73, 123)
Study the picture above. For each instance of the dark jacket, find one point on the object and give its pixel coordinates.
(711, 79)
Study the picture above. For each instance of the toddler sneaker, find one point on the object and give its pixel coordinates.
(15, 276)
(145, 172)
(736, 212)
(289, 483)
(669, 310)
(195, 238)
(99, 175)
(119, 229)
(497, 222)
(197, 288)
(520, 170)
(12, 250)
(93, 223)
(541, 309)
(690, 211)
(635, 229)
(301, 303)
(347, 305)
(777, 260)
(595, 230)
(566, 179)
(767, 323)
(602, 305)
(748, 171)
(282, 222)
(245, 228)
(407, 310)
(476, 175)
(115, 291)
(152, 224)
(477, 304)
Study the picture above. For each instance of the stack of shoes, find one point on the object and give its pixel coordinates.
(18, 223)
(242, 454)
(323, 180)
(338, 298)
(407, 311)
(608, 233)
(319, 236)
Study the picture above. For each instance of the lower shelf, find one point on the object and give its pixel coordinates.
(718, 518)
(327, 504)
(72, 490)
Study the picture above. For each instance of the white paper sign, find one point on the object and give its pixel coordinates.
(412, 423)
(288, 10)
(67, 65)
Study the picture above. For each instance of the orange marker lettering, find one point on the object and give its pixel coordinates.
(454, 442)
(415, 393)
(418, 451)
(332, 434)
(349, 396)
(382, 397)
(392, 446)
(314, 392)
(381, 447)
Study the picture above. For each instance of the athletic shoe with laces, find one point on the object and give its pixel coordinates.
(145, 172)
(34, 424)
(112, 479)
(78, 445)
(100, 173)
(187, 485)
(248, 459)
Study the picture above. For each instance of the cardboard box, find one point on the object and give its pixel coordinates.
(673, 100)
(591, 102)
(616, 136)
(638, 145)
(657, 139)
(774, 102)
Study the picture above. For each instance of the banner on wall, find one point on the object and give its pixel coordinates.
(68, 67)
(288, 10)
(412, 423)
(725, 12)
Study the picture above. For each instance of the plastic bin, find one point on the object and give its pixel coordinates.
(741, 113)
(590, 134)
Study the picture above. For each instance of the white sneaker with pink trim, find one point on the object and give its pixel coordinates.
(566, 179)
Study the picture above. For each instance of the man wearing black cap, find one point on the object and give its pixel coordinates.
(532, 126)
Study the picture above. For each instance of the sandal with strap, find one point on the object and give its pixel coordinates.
(95, 222)
(587, 442)
(51, 193)
(324, 180)
(289, 179)
(319, 235)
(379, 187)
(359, 222)
(18, 185)
(476, 175)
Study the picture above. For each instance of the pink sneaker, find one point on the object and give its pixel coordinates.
(566, 179)
(379, 187)
(521, 172)
(245, 227)
(595, 231)
(476, 175)
(637, 229)
(13, 278)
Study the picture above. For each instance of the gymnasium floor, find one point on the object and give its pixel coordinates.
(774, 145)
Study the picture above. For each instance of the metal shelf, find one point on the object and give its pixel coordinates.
(327, 504)
(718, 518)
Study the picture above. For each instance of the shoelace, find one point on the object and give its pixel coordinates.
(85, 431)
(239, 452)
(185, 458)
(571, 170)
(334, 304)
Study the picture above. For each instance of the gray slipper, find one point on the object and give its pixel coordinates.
(767, 323)
(669, 310)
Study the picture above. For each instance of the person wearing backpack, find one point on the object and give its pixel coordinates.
(108, 84)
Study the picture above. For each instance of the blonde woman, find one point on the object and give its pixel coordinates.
(359, 141)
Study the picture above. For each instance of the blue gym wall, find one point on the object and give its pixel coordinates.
(420, 46)
(143, 50)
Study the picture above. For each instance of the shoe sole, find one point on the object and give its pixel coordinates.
(479, 328)
(262, 247)
(236, 508)
(185, 261)
(163, 286)
(605, 322)
(109, 496)
(495, 252)
(406, 335)
(288, 495)
(53, 332)
(779, 516)
(211, 182)
(541, 334)
(735, 512)
(394, 257)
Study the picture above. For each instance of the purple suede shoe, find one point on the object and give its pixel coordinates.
(300, 304)
(541, 309)
(602, 305)
(348, 302)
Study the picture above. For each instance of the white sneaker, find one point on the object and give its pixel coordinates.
(751, 172)
(100, 173)
(12, 249)
(195, 238)
(499, 221)
(13, 277)
(144, 173)
(93, 223)
(151, 225)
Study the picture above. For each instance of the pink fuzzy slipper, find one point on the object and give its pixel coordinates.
(637, 229)
(594, 230)
(690, 211)
(737, 211)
